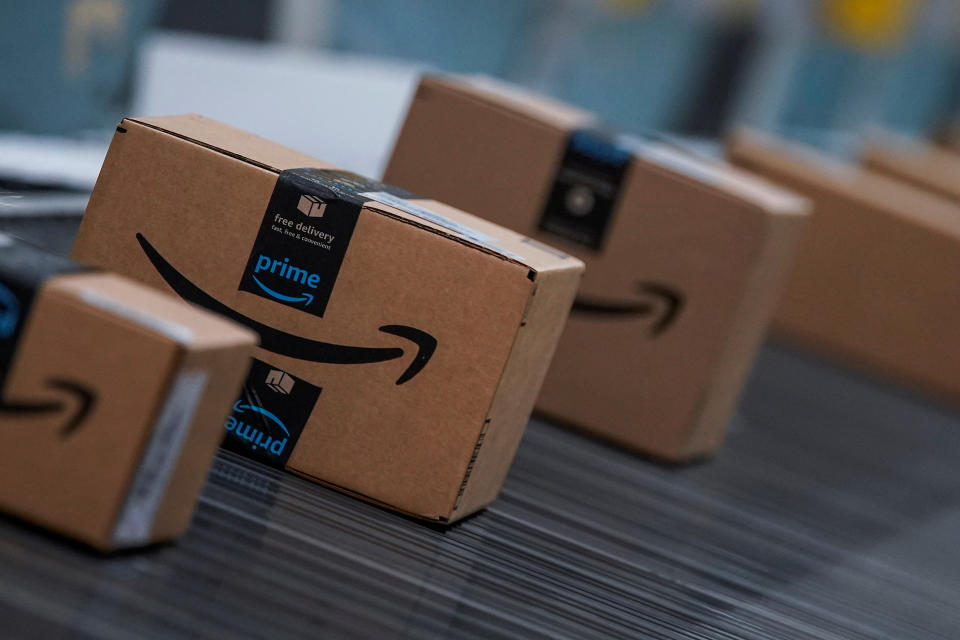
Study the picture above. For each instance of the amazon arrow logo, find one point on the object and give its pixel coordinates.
(663, 302)
(304, 297)
(290, 345)
(84, 396)
(239, 408)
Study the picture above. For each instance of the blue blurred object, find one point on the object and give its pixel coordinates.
(453, 35)
(926, 78)
(825, 81)
(66, 64)
(632, 63)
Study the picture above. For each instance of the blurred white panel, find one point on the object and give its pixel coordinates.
(346, 109)
(303, 23)
(67, 162)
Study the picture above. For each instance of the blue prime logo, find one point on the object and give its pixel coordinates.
(281, 268)
(9, 312)
(253, 436)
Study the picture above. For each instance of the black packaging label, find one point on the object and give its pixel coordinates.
(272, 411)
(23, 269)
(585, 188)
(302, 241)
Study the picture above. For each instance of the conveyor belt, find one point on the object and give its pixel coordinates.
(833, 512)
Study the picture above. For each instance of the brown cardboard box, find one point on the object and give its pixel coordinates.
(875, 281)
(685, 257)
(948, 136)
(113, 396)
(919, 163)
(403, 342)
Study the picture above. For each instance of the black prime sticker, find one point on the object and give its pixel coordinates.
(268, 418)
(304, 236)
(302, 241)
(585, 188)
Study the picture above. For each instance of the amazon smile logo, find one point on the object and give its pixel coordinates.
(659, 302)
(84, 400)
(286, 344)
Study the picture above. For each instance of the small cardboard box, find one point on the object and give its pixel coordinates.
(876, 277)
(684, 257)
(403, 342)
(113, 397)
(924, 165)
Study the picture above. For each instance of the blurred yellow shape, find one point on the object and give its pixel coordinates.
(869, 24)
(85, 22)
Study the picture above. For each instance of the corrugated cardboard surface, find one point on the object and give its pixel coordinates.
(721, 238)
(874, 278)
(923, 165)
(75, 483)
(521, 380)
(232, 141)
(406, 446)
(518, 100)
(672, 394)
(218, 348)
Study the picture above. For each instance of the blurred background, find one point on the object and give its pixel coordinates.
(332, 77)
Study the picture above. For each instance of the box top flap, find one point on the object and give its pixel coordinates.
(820, 170)
(491, 237)
(506, 96)
(714, 174)
(721, 176)
(232, 141)
(913, 159)
(153, 311)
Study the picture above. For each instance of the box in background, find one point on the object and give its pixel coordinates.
(403, 342)
(924, 165)
(875, 280)
(112, 399)
(685, 257)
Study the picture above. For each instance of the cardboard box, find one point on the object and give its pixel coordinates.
(684, 257)
(112, 399)
(874, 281)
(403, 342)
(919, 163)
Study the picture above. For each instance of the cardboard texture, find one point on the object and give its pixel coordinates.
(873, 282)
(112, 405)
(948, 137)
(685, 257)
(921, 164)
(403, 341)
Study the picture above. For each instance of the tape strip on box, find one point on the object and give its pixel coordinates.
(135, 520)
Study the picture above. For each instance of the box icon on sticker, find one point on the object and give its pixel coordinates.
(311, 206)
(279, 381)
